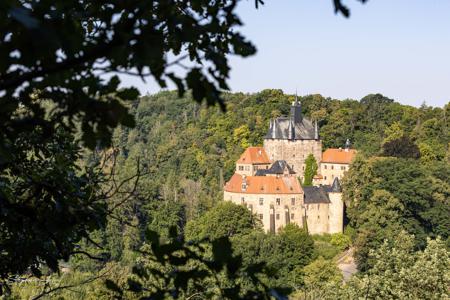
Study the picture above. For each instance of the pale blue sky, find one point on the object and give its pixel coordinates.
(400, 48)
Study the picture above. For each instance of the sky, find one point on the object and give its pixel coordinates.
(399, 48)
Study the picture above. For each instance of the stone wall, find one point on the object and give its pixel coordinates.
(282, 206)
(293, 152)
(317, 217)
(320, 217)
(329, 171)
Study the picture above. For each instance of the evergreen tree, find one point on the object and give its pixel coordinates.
(310, 170)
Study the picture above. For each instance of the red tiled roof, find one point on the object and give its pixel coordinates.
(264, 185)
(338, 156)
(254, 155)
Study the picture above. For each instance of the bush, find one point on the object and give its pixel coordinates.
(341, 241)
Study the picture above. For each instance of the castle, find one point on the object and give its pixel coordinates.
(266, 179)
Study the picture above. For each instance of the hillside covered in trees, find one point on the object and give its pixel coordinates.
(397, 197)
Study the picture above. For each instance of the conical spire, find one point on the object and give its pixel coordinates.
(274, 129)
(336, 186)
(291, 130)
(316, 131)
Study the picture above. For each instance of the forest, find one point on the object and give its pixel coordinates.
(170, 235)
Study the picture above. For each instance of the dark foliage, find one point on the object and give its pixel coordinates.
(403, 147)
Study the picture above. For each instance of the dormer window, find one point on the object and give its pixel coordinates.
(244, 186)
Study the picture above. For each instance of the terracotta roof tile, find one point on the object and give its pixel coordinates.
(264, 185)
(254, 155)
(338, 156)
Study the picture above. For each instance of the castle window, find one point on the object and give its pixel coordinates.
(318, 217)
(328, 217)
(241, 168)
(332, 176)
(332, 167)
(278, 201)
(247, 168)
(325, 167)
(278, 216)
(303, 168)
(292, 201)
(318, 206)
(292, 216)
(242, 199)
(250, 206)
(260, 216)
(261, 201)
(267, 167)
(325, 177)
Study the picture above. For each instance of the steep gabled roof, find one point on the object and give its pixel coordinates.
(280, 129)
(277, 168)
(263, 185)
(338, 156)
(254, 155)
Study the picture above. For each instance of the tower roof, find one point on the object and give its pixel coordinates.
(336, 186)
(303, 130)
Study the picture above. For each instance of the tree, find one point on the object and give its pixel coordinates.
(310, 170)
(393, 132)
(401, 147)
(48, 203)
(387, 195)
(224, 220)
(401, 273)
(320, 276)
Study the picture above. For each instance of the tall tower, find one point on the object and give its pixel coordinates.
(336, 208)
(292, 138)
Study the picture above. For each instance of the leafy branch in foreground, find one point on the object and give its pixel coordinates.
(179, 269)
(49, 203)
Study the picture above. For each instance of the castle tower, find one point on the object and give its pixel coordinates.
(292, 138)
(336, 208)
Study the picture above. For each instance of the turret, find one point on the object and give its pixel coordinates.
(316, 131)
(296, 111)
(347, 145)
(336, 209)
